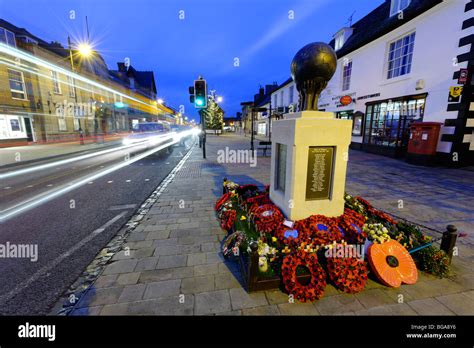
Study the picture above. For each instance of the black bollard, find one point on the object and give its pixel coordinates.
(449, 240)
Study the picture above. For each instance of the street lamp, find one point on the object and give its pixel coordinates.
(160, 101)
(219, 99)
(84, 49)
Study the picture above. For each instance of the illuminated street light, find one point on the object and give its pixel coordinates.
(84, 49)
(219, 99)
(160, 101)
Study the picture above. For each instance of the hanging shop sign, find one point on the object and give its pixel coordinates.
(463, 73)
(345, 100)
(454, 94)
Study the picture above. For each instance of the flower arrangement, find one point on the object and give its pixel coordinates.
(349, 274)
(227, 219)
(376, 233)
(312, 291)
(288, 252)
(266, 217)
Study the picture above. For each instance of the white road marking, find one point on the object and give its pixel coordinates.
(7, 188)
(110, 181)
(49, 185)
(128, 180)
(29, 186)
(45, 269)
(147, 179)
(90, 182)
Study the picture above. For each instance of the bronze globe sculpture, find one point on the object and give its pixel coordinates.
(311, 69)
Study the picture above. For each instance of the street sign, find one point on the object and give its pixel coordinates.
(454, 94)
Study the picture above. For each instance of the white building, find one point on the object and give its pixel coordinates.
(396, 66)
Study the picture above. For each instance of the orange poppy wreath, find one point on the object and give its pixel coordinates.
(314, 290)
(349, 274)
(392, 264)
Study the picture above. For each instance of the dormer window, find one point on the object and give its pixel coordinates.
(341, 37)
(7, 37)
(398, 6)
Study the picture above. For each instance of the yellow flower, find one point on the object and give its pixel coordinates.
(274, 239)
(243, 217)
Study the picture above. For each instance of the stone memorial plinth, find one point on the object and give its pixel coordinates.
(310, 147)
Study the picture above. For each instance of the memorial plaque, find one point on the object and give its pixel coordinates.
(319, 175)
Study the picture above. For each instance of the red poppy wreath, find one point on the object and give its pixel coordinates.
(348, 274)
(312, 291)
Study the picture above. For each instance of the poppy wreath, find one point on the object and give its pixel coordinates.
(289, 236)
(225, 197)
(314, 290)
(227, 219)
(349, 274)
(320, 229)
(371, 210)
(351, 224)
(267, 218)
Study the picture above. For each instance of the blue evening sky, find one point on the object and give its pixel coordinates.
(212, 34)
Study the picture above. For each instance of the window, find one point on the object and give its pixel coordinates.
(388, 121)
(339, 41)
(56, 86)
(72, 87)
(17, 84)
(15, 125)
(281, 97)
(275, 100)
(400, 56)
(398, 5)
(346, 75)
(7, 37)
(292, 91)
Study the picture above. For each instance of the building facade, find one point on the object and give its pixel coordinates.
(407, 61)
(396, 67)
(52, 94)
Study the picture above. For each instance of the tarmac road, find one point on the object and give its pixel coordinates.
(63, 227)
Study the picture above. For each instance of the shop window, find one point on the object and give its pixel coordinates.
(15, 125)
(400, 56)
(17, 84)
(56, 85)
(7, 37)
(357, 124)
(346, 75)
(387, 122)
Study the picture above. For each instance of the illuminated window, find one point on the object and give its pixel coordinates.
(56, 85)
(17, 84)
(400, 56)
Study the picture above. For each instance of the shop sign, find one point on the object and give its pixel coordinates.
(345, 100)
(454, 94)
(463, 76)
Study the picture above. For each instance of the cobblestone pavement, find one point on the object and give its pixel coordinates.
(175, 265)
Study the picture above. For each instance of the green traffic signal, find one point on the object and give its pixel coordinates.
(199, 102)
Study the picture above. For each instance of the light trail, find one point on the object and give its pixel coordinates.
(37, 200)
(47, 65)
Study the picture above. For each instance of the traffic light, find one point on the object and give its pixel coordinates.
(200, 94)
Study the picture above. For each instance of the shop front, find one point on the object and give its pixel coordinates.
(14, 131)
(387, 124)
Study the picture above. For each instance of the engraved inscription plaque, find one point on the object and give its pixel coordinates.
(319, 175)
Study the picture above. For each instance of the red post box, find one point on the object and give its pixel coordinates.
(423, 142)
